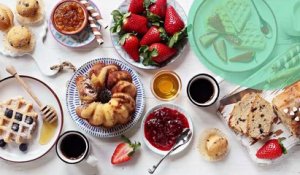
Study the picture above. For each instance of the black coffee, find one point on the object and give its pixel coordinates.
(201, 90)
(73, 146)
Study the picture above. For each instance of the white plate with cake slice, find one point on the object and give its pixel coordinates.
(263, 124)
(36, 144)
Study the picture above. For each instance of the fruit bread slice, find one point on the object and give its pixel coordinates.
(287, 104)
(260, 119)
(238, 120)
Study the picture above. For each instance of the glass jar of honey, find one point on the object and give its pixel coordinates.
(166, 85)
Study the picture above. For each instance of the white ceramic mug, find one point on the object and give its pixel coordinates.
(214, 84)
(85, 155)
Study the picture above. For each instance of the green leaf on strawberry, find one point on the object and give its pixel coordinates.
(147, 55)
(177, 37)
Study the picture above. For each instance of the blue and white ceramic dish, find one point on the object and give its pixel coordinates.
(123, 8)
(74, 41)
(73, 100)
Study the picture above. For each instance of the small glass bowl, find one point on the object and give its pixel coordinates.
(174, 77)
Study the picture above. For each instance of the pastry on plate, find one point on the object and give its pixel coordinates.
(19, 39)
(287, 105)
(114, 101)
(213, 144)
(30, 11)
(87, 93)
(6, 18)
(18, 121)
(252, 116)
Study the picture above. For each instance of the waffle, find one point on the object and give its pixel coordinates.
(220, 22)
(18, 120)
(239, 12)
(251, 38)
(233, 16)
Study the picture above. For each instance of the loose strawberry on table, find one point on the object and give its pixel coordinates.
(173, 22)
(124, 151)
(129, 22)
(131, 45)
(272, 149)
(154, 35)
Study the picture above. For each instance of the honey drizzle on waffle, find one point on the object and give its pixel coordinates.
(17, 120)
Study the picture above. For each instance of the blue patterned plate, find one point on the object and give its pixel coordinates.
(73, 101)
(115, 37)
(74, 41)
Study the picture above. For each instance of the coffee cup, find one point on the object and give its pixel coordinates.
(73, 147)
(203, 90)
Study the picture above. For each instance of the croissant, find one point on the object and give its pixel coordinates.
(117, 111)
(98, 74)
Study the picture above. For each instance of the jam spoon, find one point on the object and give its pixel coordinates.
(182, 139)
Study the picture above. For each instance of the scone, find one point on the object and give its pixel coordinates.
(213, 144)
(30, 11)
(288, 108)
(6, 18)
(252, 116)
(19, 39)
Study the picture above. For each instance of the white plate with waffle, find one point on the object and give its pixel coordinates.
(227, 33)
(21, 121)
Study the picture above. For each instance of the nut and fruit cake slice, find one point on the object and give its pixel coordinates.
(239, 116)
(260, 119)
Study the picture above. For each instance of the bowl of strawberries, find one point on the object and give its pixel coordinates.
(149, 34)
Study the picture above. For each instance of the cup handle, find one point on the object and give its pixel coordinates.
(92, 160)
(219, 79)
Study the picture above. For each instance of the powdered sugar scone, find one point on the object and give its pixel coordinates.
(30, 11)
(213, 144)
(6, 18)
(19, 39)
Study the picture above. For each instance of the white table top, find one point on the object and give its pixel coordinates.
(188, 162)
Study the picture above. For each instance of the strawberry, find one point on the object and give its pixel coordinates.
(154, 35)
(124, 151)
(136, 6)
(272, 149)
(131, 45)
(173, 22)
(159, 8)
(157, 53)
(129, 22)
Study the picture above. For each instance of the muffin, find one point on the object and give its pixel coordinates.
(6, 18)
(29, 11)
(19, 39)
(213, 145)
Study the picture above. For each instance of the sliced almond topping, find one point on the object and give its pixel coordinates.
(295, 109)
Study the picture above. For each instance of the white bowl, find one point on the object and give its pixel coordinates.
(171, 106)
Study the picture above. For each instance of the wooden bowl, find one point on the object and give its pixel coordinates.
(68, 32)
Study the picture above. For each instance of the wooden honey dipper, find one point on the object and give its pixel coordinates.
(49, 114)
